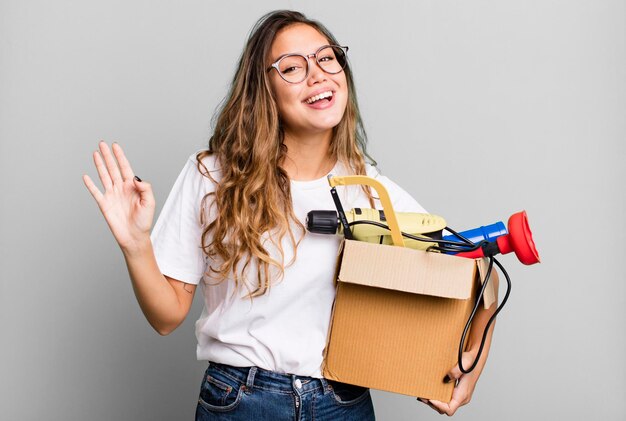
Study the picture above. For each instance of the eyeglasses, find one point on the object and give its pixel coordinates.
(294, 68)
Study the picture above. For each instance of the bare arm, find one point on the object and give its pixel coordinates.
(466, 383)
(127, 205)
(163, 300)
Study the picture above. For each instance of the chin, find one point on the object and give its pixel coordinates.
(315, 123)
(328, 122)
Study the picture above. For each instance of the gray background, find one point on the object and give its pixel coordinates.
(478, 108)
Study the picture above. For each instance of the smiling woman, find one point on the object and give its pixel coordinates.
(234, 223)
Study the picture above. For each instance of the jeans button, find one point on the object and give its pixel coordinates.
(298, 384)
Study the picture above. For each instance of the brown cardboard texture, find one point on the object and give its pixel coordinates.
(398, 318)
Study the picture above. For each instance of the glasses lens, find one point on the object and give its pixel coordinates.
(293, 68)
(332, 59)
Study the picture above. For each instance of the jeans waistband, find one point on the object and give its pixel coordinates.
(266, 379)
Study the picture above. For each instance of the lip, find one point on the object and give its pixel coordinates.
(321, 105)
(319, 91)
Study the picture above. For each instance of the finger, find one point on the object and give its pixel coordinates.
(145, 191)
(427, 402)
(92, 189)
(455, 372)
(109, 160)
(125, 169)
(103, 173)
(449, 408)
(435, 407)
(461, 394)
(441, 407)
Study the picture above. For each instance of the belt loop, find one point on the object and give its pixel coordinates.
(325, 385)
(250, 380)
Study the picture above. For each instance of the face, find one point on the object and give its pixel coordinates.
(298, 114)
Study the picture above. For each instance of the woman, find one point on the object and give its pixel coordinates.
(234, 220)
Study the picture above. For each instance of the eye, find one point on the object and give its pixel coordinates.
(326, 58)
(291, 69)
(292, 64)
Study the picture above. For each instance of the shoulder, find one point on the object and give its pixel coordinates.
(401, 199)
(204, 162)
(199, 176)
(200, 168)
(392, 188)
(374, 172)
(371, 171)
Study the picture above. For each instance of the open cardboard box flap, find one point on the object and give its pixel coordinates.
(413, 271)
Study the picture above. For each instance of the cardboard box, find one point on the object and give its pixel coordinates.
(398, 317)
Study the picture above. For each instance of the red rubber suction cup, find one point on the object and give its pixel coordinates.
(519, 239)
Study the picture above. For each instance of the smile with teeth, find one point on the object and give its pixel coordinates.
(315, 98)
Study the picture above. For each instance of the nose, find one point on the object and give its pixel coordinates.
(316, 74)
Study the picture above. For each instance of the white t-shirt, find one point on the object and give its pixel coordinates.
(285, 329)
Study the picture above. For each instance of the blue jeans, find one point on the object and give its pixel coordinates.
(251, 393)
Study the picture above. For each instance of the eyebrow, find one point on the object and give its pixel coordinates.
(300, 54)
(281, 56)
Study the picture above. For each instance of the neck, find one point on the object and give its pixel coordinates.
(308, 157)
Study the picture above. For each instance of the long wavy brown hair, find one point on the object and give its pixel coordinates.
(252, 196)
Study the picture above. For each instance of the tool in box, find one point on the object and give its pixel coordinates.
(425, 232)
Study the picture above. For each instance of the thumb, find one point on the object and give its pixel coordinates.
(145, 190)
(455, 372)
(453, 375)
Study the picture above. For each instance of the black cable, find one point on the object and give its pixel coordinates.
(424, 239)
(492, 260)
(455, 249)
(458, 235)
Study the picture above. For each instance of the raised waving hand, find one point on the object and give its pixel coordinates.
(127, 203)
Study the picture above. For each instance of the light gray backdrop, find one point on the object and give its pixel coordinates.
(478, 108)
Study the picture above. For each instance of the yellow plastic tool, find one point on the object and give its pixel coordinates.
(390, 215)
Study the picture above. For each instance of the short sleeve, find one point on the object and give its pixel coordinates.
(176, 237)
(400, 199)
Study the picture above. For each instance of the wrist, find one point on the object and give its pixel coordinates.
(472, 350)
(137, 247)
(470, 357)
